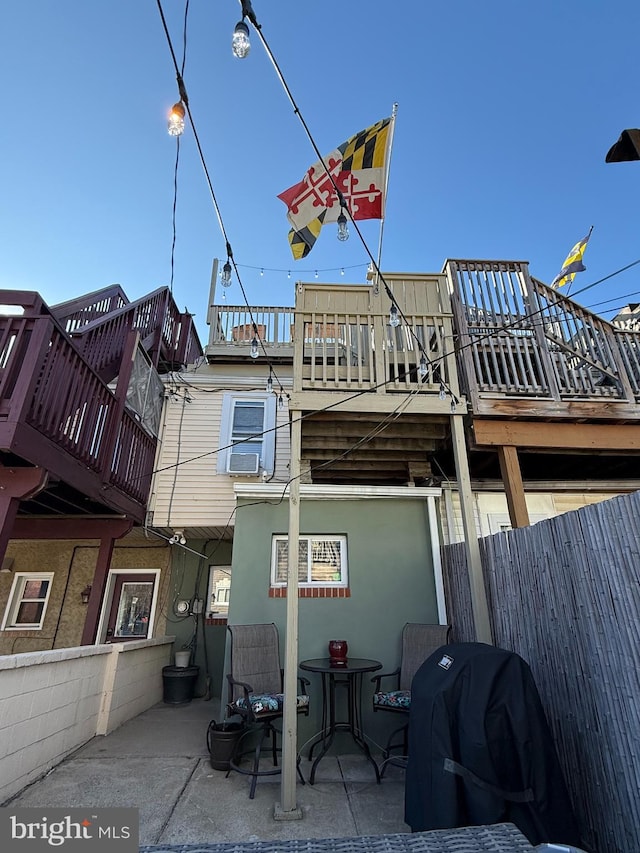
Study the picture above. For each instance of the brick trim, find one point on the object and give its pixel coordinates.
(312, 592)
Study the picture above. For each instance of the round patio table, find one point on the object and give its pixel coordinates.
(349, 677)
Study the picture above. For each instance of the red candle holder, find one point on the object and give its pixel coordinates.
(338, 652)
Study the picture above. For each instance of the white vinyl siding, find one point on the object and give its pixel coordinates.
(194, 494)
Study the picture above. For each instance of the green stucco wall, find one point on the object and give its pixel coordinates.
(390, 578)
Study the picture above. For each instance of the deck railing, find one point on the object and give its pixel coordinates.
(239, 325)
(519, 337)
(46, 385)
(344, 340)
(162, 328)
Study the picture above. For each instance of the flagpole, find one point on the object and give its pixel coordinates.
(394, 113)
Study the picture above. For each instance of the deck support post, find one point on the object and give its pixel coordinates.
(16, 484)
(513, 486)
(286, 809)
(479, 603)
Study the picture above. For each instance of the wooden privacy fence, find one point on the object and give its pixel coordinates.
(564, 594)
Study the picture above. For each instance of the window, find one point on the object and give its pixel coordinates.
(247, 430)
(27, 601)
(217, 603)
(322, 561)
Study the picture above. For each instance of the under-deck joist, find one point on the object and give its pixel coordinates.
(558, 436)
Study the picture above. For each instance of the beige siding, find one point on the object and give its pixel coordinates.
(569, 501)
(192, 493)
(490, 509)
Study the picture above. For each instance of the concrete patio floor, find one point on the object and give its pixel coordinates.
(158, 762)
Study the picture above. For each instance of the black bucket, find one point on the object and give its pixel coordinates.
(179, 684)
(222, 740)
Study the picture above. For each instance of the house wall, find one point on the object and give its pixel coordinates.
(391, 581)
(189, 580)
(73, 564)
(193, 494)
(491, 510)
(52, 702)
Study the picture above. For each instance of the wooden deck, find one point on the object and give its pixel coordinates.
(57, 411)
(526, 350)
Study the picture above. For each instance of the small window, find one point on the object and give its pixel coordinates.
(28, 600)
(322, 561)
(219, 591)
(247, 430)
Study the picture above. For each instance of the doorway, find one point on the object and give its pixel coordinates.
(130, 613)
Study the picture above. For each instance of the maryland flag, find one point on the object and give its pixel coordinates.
(573, 263)
(359, 169)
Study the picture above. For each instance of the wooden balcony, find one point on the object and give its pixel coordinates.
(525, 350)
(372, 414)
(233, 328)
(57, 411)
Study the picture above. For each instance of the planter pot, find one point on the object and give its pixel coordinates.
(179, 684)
(222, 741)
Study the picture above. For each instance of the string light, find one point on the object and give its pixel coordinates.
(254, 352)
(175, 123)
(225, 275)
(423, 369)
(280, 400)
(342, 271)
(442, 394)
(270, 381)
(261, 272)
(316, 273)
(240, 44)
(394, 320)
(343, 231)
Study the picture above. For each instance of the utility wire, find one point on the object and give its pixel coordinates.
(185, 100)
(248, 12)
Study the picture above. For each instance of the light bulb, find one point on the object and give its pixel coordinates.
(240, 44)
(394, 320)
(182, 540)
(225, 275)
(261, 272)
(280, 401)
(316, 273)
(343, 231)
(175, 124)
(270, 384)
(342, 271)
(254, 348)
(423, 369)
(453, 405)
(288, 273)
(442, 394)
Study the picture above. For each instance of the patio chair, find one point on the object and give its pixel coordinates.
(255, 693)
(418, 643)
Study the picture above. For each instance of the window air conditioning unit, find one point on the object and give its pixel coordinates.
(247, 464)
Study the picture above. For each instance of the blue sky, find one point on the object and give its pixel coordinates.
(506, 110)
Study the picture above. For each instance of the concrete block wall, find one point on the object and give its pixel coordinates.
(52, 702)
(134, 682)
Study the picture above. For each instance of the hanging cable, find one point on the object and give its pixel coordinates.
(185, 100)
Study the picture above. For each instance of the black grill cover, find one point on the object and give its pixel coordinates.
(480, 748)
